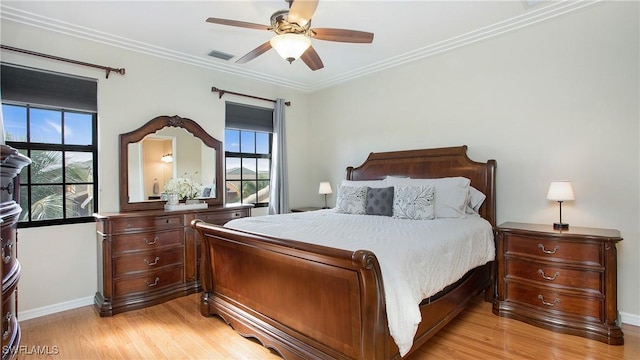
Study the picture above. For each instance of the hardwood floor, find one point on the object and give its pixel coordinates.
(176, 330)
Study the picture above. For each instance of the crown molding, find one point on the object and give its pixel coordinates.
(535, 15)
(49, 24)
(530, 18)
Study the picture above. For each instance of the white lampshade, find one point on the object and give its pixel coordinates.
(167, 158)
(325, 188)
(560, 191)
(290, 46)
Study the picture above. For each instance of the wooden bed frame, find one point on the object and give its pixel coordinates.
(313, 302)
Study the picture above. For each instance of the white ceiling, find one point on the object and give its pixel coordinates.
(404, 31)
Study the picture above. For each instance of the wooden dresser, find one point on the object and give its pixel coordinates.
(148, 257)
(11, 163)
(562, 280)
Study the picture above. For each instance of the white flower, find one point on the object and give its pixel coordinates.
(183, 187)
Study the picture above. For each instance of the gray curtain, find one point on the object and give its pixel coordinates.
(279, 187)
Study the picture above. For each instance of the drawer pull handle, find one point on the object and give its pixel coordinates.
(8, 188)
(7, 258)
(6, 325)
(155, 261)
(550, 278)
(155, 283)
(555, 301)
(551, 252)
(155, 240)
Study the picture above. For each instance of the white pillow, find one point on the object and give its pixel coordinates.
(352, 200)
(451, 194)
(475, 200)
(413, 202)
(369, 183)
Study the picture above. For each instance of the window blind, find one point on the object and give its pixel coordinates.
(246, 117)
(42, 87)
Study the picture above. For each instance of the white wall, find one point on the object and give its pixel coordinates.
(556, 100)
(59, 263)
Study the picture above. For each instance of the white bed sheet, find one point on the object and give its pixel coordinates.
(418, 258)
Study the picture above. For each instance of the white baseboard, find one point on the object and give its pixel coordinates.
(626, 318)
(630, 319)
(55, 308)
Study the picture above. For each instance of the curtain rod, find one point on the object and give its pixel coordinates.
(29, 52)
(222, 92)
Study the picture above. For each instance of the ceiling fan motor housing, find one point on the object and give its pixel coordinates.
(281, 24)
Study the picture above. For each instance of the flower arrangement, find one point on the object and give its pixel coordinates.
(184, 187)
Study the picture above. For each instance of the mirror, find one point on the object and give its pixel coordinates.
(162, 149)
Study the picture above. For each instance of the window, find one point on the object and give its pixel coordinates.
(247, 142)
(60, 185)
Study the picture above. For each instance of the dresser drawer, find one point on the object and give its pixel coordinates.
(150, 281)
(554, 275)
(147, 261)
(8, 250)
(221, 217)
(557, 302)
(146, 222)
(554, 250)
(9, 321)
(147, 241)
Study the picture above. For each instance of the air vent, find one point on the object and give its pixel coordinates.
(219, 55)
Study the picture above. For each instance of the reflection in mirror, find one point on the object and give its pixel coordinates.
(167, 154)
(166, 148)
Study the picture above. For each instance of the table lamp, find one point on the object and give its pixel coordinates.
(560, 191)
(325, 188)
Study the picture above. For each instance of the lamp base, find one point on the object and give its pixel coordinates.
(560, 226)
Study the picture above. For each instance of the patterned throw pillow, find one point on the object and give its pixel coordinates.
(450, 194)
(380, 201)
(414, 202)
(352, 199)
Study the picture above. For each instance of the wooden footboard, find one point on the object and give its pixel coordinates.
(311, 302)
(302, 300)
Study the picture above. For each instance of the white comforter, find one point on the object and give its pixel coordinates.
(417, 258)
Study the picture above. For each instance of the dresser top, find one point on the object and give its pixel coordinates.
(160, 212)
(572, 231)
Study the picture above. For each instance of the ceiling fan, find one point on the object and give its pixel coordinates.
(293, 32)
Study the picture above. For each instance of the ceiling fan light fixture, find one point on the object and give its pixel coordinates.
(290, 46)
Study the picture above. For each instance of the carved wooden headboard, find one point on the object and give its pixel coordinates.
(431, 164)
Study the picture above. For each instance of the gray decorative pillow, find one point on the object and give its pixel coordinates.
(380, 201)
(414, 202)
(352, 199)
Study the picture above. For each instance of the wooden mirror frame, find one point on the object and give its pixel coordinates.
(151, 127)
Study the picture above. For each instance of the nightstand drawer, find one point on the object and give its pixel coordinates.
(147, 261)
(554, 275)
(554, 250)
(556, 302)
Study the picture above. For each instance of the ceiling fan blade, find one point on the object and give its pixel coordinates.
(342, 35)
(312, 59)
(241, 24)
(255, 53)
(301, 11)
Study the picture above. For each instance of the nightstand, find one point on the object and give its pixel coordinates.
(561, 280)
(304, 209)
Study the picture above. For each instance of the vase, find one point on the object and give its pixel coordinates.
(172, 199)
